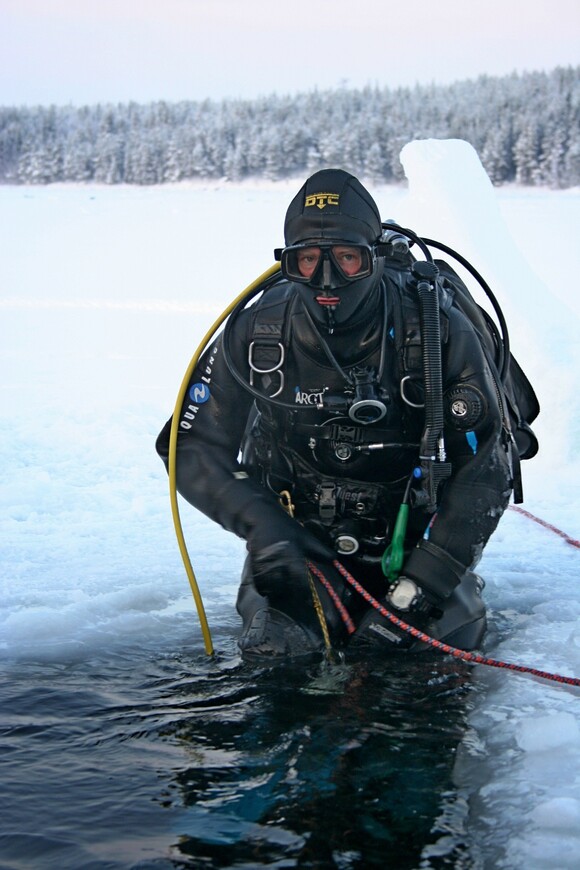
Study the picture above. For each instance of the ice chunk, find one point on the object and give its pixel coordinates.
(559, 812)
(548, 732)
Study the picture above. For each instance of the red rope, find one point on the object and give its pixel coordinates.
(345, 615)
(474, 658)
(572, 541)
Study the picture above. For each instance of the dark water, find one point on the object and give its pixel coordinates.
(151, 758)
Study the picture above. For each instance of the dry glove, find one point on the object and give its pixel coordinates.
(279, 550)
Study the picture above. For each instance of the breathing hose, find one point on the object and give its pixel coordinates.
(172, 463)
(504, 340)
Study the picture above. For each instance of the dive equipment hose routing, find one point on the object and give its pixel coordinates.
(172, 464)
(434, 467)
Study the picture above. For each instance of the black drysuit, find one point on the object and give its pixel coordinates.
(236, 455)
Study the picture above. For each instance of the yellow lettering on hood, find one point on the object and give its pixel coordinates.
(321, 200)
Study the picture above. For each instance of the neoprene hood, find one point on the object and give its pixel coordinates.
(332, 205)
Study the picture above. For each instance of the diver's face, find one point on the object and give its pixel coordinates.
(349, 260)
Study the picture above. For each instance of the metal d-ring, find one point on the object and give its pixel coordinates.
(404, 397)
(276, 368)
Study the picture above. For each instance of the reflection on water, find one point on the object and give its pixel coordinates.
(148, 760)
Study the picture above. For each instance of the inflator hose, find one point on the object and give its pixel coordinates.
(172, 463)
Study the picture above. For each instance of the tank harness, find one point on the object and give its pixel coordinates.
(267, 355)
(426, 290)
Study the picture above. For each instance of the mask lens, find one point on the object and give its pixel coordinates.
(352, 261)
(301, 262)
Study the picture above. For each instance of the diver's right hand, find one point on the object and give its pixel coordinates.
(279, 552)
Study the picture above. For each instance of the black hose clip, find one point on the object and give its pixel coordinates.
(429, 475)
(425, 273)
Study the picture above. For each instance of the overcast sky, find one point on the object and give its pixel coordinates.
(88, 51)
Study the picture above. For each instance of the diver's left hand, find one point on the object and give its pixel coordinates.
(406, 596)
(406, 601)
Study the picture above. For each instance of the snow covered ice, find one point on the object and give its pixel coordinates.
(105, 294)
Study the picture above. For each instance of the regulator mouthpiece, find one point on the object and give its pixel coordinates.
(367, 405)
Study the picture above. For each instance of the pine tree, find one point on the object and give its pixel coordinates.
(525, 128)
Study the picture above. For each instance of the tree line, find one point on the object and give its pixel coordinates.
(525, 128)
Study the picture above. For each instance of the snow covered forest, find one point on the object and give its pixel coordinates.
(525, 128)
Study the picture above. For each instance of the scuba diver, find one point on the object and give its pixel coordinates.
(353, 408)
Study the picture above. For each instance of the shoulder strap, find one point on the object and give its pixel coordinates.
(266, 350)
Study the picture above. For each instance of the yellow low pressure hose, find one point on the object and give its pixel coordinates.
(173, 451)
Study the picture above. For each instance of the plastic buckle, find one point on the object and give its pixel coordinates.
(327, 502)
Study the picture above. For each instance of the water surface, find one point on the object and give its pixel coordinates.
(160, 757)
